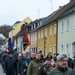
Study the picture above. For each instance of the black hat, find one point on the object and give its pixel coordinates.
(10, 52)
(40, 51)
(48, 58)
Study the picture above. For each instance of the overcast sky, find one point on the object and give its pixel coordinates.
(17, 10)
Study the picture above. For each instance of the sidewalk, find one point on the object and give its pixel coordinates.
(1, 71)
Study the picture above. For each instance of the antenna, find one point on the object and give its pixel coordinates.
(38, 17)
(51, 5)
(38, 14)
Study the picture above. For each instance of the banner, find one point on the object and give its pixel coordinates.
(26, 42)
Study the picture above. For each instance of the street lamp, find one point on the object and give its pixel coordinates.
(44, 44)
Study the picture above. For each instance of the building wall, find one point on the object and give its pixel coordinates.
(51, 39)
(33, 44)
(17, 27)
(66, 38)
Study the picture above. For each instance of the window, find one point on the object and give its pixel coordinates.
(41, 33)
(50, 30)
(38, 24)
(35, 36)
(46, 32)
(51, 48)
(67, 49)
(31, 38)
(54, 51)
(54, 29)
(67, 26)
(62, 50)
(32, 27)
(62, 27)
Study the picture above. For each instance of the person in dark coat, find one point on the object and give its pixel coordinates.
(70, 63)
(72, 72)
(45, 67)
(10, 64)
(20, 65)
(61, 68)
(34, 65)
(41, 55)
(16, 57)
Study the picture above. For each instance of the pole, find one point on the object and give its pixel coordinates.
(44, 47)
(44, 44)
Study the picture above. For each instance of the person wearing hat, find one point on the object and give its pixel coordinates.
(10, 64)
(45, 67)
(34, 65)
(42, 57)
(61, 68)
(72, 72)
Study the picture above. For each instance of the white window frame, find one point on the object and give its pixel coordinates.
(67, 49)
(50, 48)
(62, 27)
(55, 29)
(67, 26)
(38, 24)
(46, 32)
(50, 30)
(31, 26)
(31, 38)
(41, 33)
(34, 25)
(35, 36)
(61, 48)
(54, 48)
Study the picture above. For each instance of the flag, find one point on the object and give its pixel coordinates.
(26, 42)
(10, 45)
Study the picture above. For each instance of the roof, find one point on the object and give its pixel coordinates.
(17, 22)
(19, 34)
(60, 11)
(43, 20)
(56, 15)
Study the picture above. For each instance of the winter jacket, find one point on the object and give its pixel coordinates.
(44, 69)
(20, 66)
(72, 72)
(33, 67)
(59, 71)
(10, 65)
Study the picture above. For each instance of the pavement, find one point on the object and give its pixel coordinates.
(1, 71)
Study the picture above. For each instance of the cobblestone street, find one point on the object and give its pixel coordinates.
(1, 71)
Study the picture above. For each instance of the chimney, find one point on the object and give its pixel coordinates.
(60, 7)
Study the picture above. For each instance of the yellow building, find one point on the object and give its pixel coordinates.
(17, 27)
(49, 31)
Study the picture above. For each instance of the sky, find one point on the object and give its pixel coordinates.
(17, 10)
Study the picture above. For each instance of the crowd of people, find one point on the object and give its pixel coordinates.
(26, 63)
